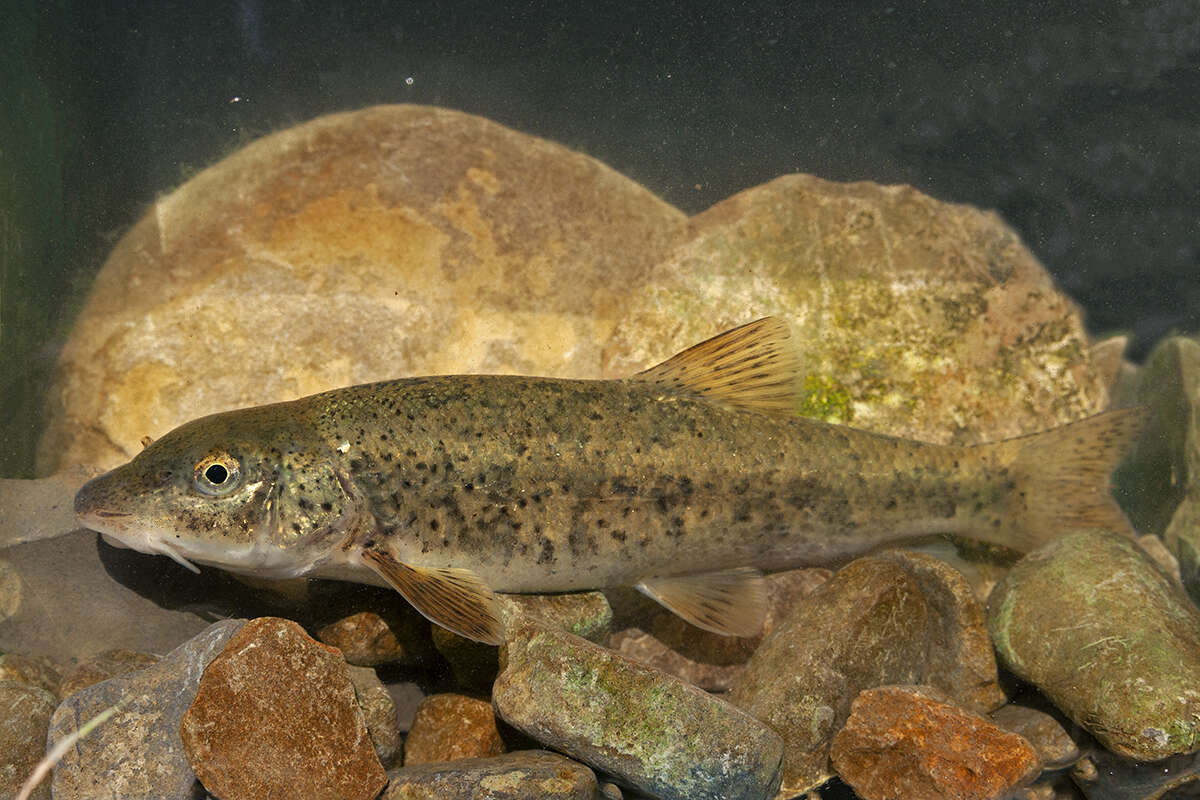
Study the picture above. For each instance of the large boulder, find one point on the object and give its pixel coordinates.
(391, 241)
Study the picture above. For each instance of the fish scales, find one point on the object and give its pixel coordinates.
(548, 484)
(687, 480)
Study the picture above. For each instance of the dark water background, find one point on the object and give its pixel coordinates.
(1078, 122)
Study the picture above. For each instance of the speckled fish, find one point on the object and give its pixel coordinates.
(685, 480)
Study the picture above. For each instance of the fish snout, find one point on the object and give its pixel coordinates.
(93, 508)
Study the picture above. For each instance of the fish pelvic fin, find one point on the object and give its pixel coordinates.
(732, 602)
(1065, 477)
(753, 366)
(456, 599)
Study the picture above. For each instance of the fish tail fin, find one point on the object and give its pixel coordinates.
(1064, 478)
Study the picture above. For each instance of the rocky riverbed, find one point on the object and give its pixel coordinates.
(940, 671)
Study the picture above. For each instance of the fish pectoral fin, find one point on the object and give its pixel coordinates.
(732, 602)
(754, 366)
(456, 599)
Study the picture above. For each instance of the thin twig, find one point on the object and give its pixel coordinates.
(59, 750)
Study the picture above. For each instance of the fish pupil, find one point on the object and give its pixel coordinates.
(216, 474)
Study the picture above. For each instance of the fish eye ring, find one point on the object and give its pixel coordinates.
(217, 473)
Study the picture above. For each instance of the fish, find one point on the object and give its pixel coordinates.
(688, 480)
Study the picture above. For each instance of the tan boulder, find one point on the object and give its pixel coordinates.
(391, 241)
(915, 317)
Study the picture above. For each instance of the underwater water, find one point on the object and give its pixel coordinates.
(593, 257)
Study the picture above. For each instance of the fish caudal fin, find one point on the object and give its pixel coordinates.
(754, 366)
(456, 599)
(732, 602)
(1064, 474)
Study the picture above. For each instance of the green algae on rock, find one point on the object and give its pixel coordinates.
(1108, 637)
(653, 731)
(915, 317)
(475, 665)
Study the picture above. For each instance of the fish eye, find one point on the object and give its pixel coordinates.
(217, 473)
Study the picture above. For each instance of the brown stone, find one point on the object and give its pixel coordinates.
(448, 727)
(35, 670)
(960, 660)
(867, 626)
(908, 741)
(103, 666)
(276, 712)
(707, 660)
(913, 317)
(391, 241)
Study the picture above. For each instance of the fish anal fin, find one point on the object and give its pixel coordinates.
(456, 599)
(753, 366)
(732, 602)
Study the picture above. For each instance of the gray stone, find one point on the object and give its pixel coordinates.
(1108, 637)
(1104, 776)
(40, 509)
(379, 712)
(24, 718)
(1163, 470)
(646, 728)
(1054, 745)
(63, 603)
(407, 697)
(138, 751)
(523, 775)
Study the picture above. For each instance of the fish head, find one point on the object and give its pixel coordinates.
(233, 490)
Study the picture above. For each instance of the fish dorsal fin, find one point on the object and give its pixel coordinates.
(732, 601)
(753, 366)
(456, 599)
